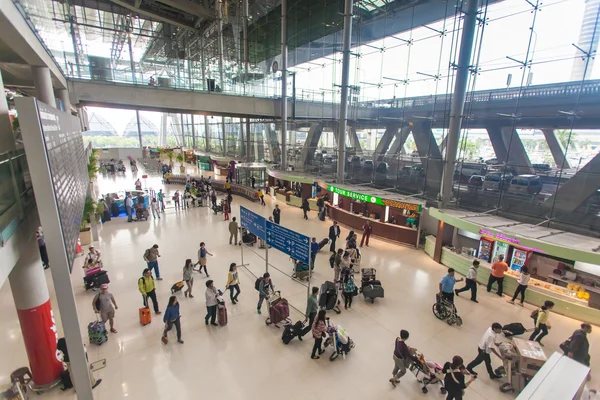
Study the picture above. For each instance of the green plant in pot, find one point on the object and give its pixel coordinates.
(170, 155)
(89, 210)
(93, 167)
(180, 160)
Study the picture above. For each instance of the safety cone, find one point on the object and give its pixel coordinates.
(78, 249)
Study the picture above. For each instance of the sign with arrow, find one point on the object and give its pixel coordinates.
(253, 222)
(288, 241)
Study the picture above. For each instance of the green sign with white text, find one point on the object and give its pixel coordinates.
(374, 199)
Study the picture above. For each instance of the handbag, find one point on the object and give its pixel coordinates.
(565, 346)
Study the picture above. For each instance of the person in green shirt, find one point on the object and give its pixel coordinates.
(147, 289)
(312, 308)
(160, 198)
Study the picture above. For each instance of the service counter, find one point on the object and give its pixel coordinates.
(565, 302)
(391, 232)
(219, 185)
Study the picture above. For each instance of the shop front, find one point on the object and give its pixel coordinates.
(392, 217)
(564, 267)
(292, 187)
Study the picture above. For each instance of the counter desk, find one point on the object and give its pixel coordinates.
(386, 231)
(537, 291)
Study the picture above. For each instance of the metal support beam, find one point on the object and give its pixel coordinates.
(139, 126)
(556, 148)
(194, 143)
(246, 48)
(248, 142)
(430, 155)
(310, 144)
(219, 6)
(284, 56)
(206, 136)
(386, 140)
(458, 97)
(224, 136)
(152, 15)
(191, 7)
(354, 140)
(344, 96)
(398, 144)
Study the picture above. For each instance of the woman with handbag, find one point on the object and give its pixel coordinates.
(454, 380)
(402, 358)
(319, 329)
(541, 322)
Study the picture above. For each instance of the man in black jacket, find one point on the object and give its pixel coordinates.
(334, 233)
(277, 214)
(579, 349)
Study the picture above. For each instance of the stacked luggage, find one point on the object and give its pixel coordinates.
(97, 332)
(301, 270)
(290, 331)
(328, 299)
(94, 280)
(370, 287)
(279, 310)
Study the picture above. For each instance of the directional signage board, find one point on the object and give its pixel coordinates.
(286, 240)
(253, 222)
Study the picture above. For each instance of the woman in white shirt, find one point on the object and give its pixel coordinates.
(523, 282)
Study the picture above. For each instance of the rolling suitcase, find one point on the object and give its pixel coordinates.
(279, 312)
(323, 243)
(372, 292)
(97, 332)
(322, 214)
(222, 314)
(328, 296)
(145, 316)
(177, 287)
(290, 331)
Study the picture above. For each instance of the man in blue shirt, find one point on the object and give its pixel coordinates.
(314, 248)
(447, 285)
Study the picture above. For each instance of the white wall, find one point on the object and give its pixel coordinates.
(119, 153)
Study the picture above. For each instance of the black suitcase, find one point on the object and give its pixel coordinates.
(373, 282)
(514, 329)
(372, 292)
(323, 243)
(322, 214)
(94, 281)
(328, 297)
(114, 209)
(290, 331)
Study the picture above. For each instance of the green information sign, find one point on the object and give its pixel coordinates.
(375, 200)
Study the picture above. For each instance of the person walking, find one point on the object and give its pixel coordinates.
(334, 234)
(349, 291)
(367, 230)
(485, 348)
(338, 263)
(151, 257)
(129, 207)
(523, 282)
(312, 308)
(577, 346)
(211, 303)
(213, 197)
(176, 200)
(227, 186)
(277, 214)
(454, 379)
(233, 283)
(542, 324)
(161, 199)
(305, 207)
(261, 197)
(314, 249)
(320, 204)
(172, 317)
(319, 329)
(471, 281)
(147, 289)
(233, 231)
(154, 208)
(202, 252)
(265, 288)
(188, 277)
(226, 211)
(39, 234)
(103, 304)
(447, 285)
(497, 275)
(402, 358)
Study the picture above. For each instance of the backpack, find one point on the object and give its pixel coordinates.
(257, 283)
(97, 302)
(535, 313)
(147, 253)
(332, 260)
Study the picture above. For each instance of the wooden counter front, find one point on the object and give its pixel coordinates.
(395, 233)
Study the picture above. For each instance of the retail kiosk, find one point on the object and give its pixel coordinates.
(292, 187)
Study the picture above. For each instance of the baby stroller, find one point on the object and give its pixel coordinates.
(339, 339)
(445, 310)
(301, 270)
(431, 372)
(141, 213)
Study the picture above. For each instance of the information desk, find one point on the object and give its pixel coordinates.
(537, 291)
(395, 233)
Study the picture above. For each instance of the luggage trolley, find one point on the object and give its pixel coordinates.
(279, 310)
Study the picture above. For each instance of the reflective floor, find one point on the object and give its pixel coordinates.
(246, 359)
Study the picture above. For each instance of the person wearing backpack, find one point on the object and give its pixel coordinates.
(454, 379)
(147, 289)
(577, 346)
(540, 316)
(103, 304)
(264, 286)
(349, 291)
(151, 257)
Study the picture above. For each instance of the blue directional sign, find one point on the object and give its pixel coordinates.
(253, 222)
(288, 241)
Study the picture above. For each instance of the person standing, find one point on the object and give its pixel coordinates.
(367, 230)
(176, 200)
(338, 263)
(213, 197)
(319, 329)
(233, 283)
(305, 207)
(577, 346)
(261, 197)
(155, 210)
(447, 285)
(314, 249)
(334, 234)
(151, 257)
(402, 358)
(172, 317)
(161, 199)
(233, 231)
(226, 211)
(541, 322)
(202, 252)
(471, 282)
(129, 207)
(497, 275)
(484, 349)
(320, 204)
(252, 181)
(188, 277)
(265, 288)
(277, 214)
(312, 307)
(349, 291)
(103, 304)
(228, 186)
(454, 379)
(211, 303)
(523, 282)
(39, 234)
(147, 289)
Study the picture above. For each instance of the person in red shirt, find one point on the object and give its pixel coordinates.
(497, 275)
(367, 229)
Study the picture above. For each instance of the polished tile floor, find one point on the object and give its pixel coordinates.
(246, 359)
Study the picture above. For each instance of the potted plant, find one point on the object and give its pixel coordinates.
(180, 159)
(170, 155)
(85, 232)
(93, 167)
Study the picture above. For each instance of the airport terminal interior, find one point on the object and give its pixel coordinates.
(444, 134)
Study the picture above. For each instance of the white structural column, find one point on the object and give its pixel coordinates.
(341, 143)
(284, 113)
(43, 85)
(63, 95)
(7, 139)
(556, 148)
